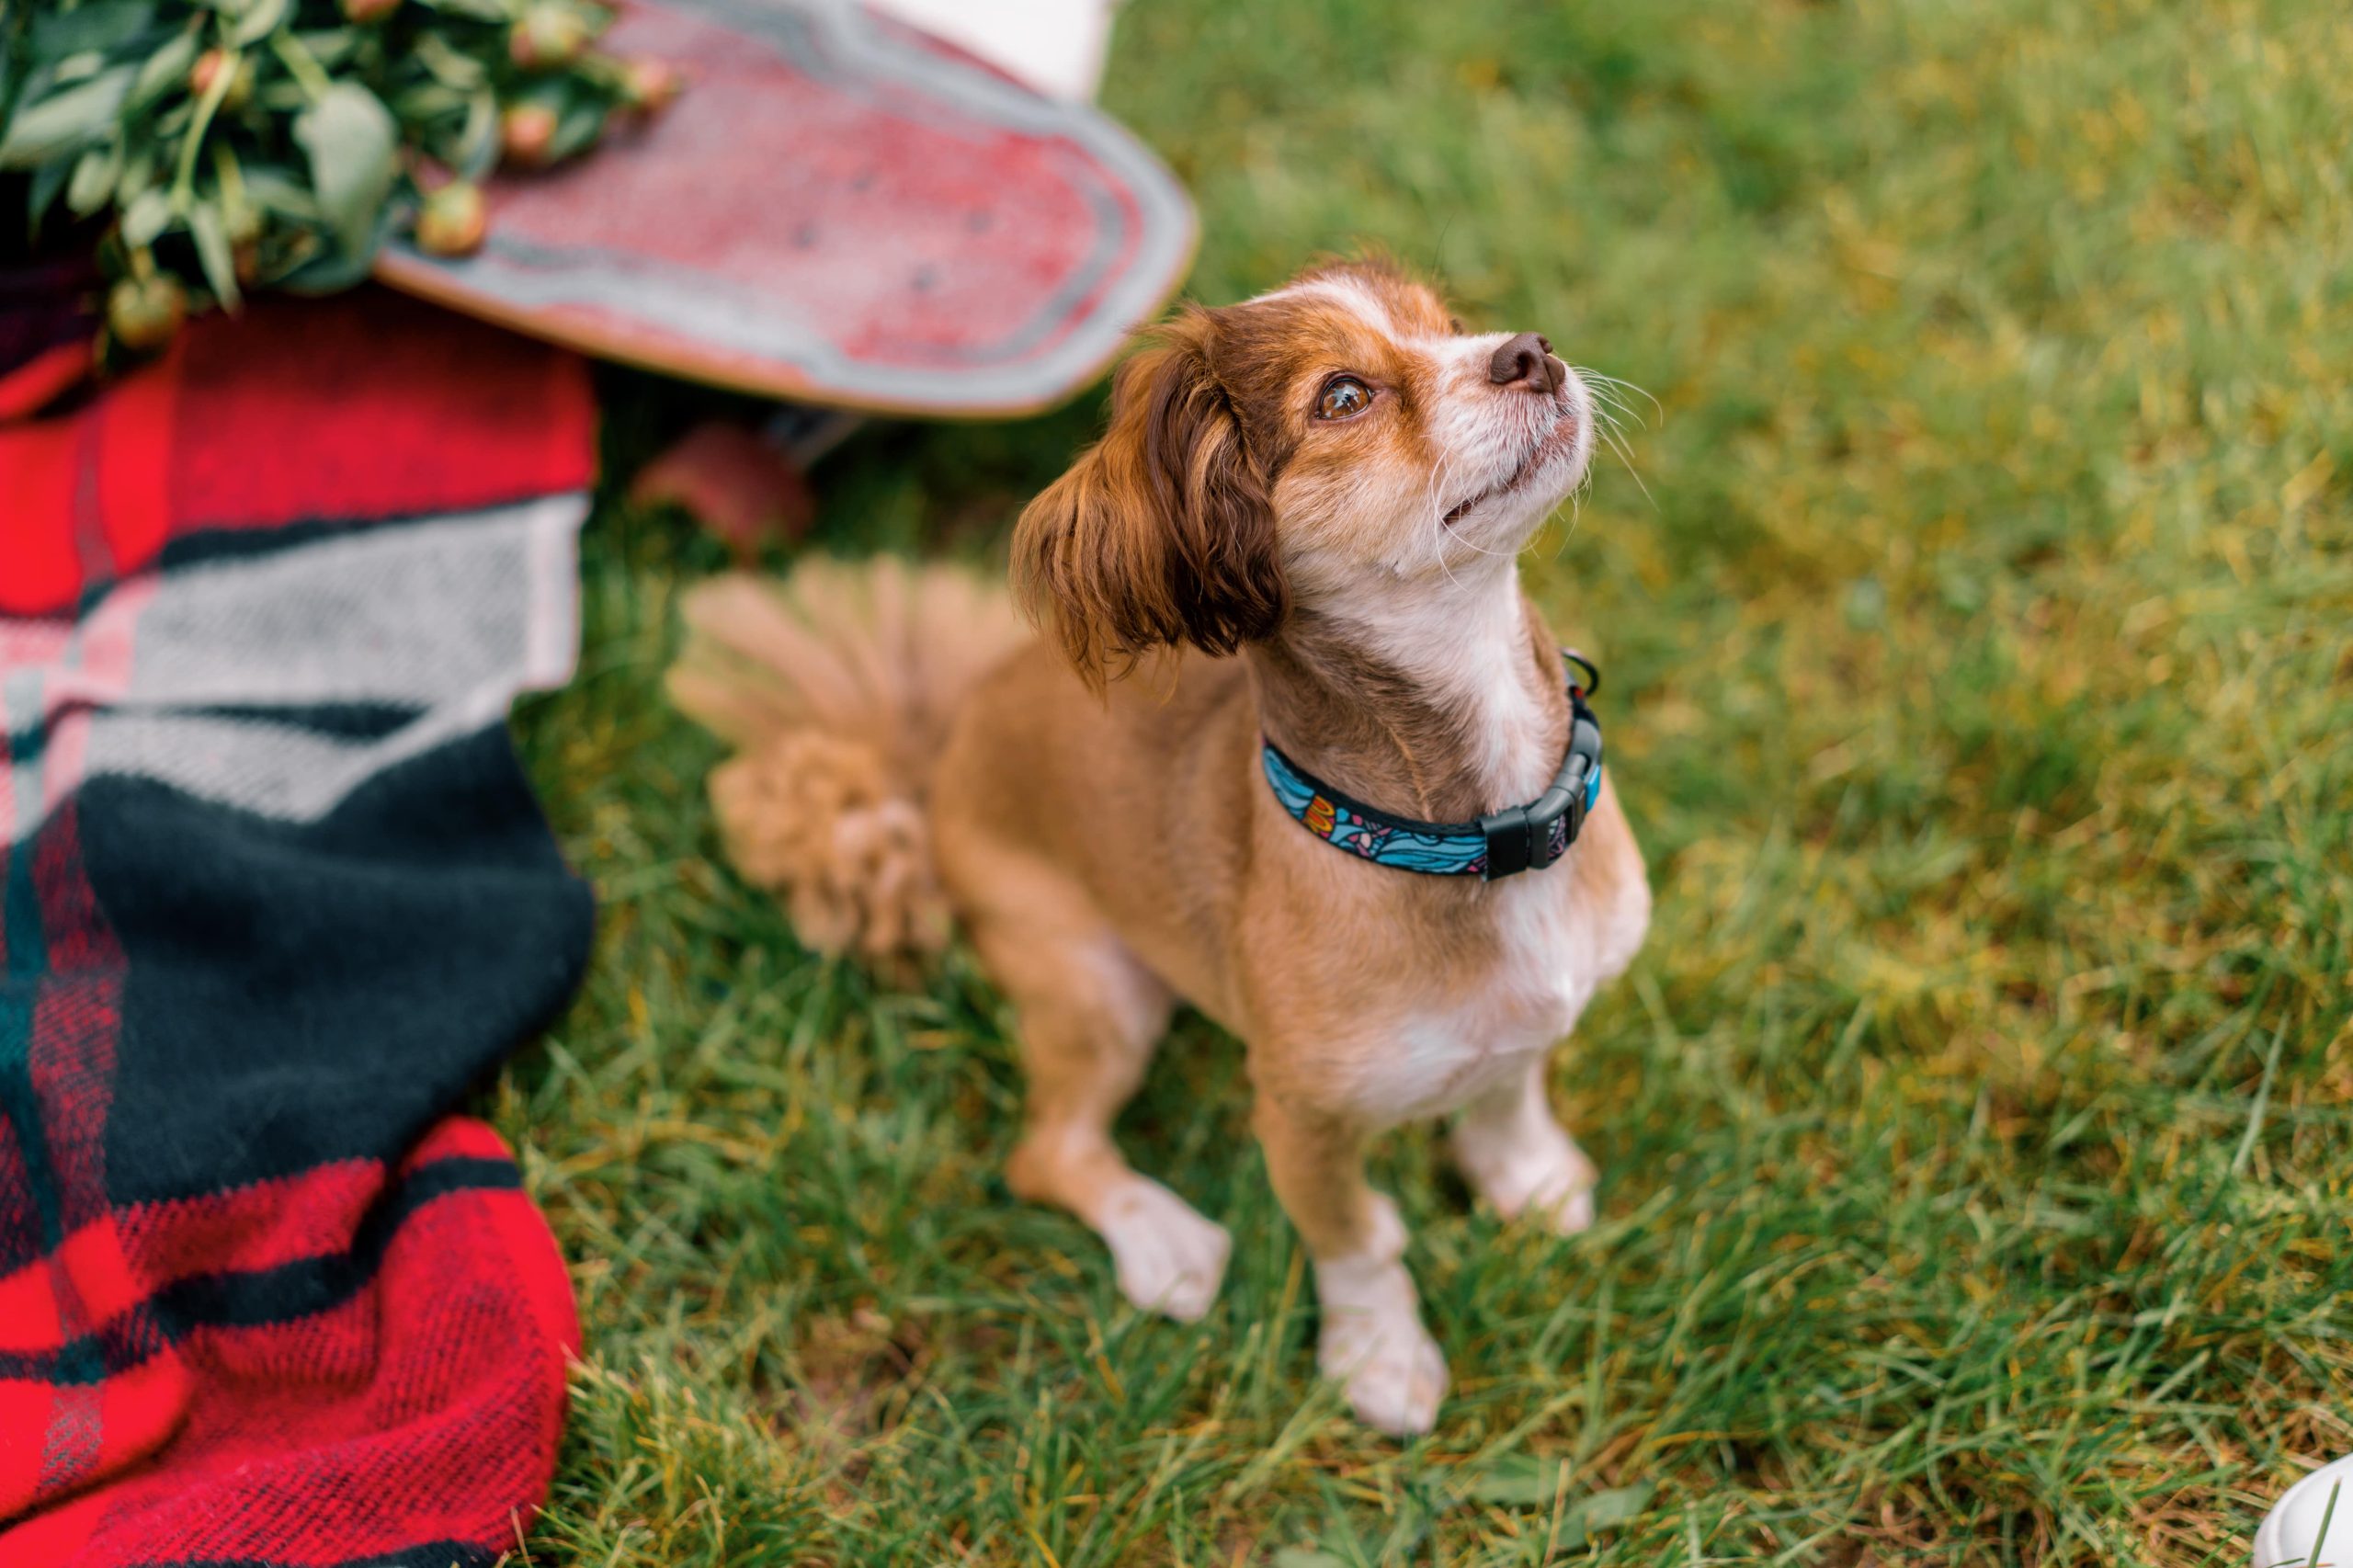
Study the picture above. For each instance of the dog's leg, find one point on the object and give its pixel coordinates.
(1090, 1016)
(1372, 1338)
(1518, 1156)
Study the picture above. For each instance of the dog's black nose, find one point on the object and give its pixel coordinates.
(1526, 360)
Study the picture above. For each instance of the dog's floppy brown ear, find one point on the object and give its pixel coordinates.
(1162, 532)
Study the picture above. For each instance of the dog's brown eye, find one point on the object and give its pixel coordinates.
(1343, 397)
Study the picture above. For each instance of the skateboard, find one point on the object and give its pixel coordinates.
(839, 211)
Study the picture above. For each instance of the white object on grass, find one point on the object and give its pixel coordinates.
(2290, 1533)
(1054, 46)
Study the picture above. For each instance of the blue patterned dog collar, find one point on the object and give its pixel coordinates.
(1517, 838)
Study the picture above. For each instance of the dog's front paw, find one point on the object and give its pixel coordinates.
(1394, 1377)
(1373, 1344)
(1169, 1260)
(1545, 1175)
(1571, 1215)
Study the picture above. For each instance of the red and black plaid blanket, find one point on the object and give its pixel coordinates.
(273, 893)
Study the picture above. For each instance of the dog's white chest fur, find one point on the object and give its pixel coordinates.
(1554, 949)
(1555, 944)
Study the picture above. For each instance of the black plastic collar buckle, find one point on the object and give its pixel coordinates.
(1515, 841)
(1523, 838)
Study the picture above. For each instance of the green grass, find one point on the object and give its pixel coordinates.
(1979, 637)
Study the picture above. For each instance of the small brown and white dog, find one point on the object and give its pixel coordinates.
(1301, 528)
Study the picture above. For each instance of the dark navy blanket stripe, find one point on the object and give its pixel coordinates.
(27, 1229)
(433, 1554)
(252, 1298)
(223, 543)
(343, 720)
(316, 1284)
(128, 1339)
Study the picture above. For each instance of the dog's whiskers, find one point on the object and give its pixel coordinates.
(1436, 489)
(1607, 426)
(1597, 381)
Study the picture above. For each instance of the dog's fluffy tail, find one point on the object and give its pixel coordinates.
(836, 687)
